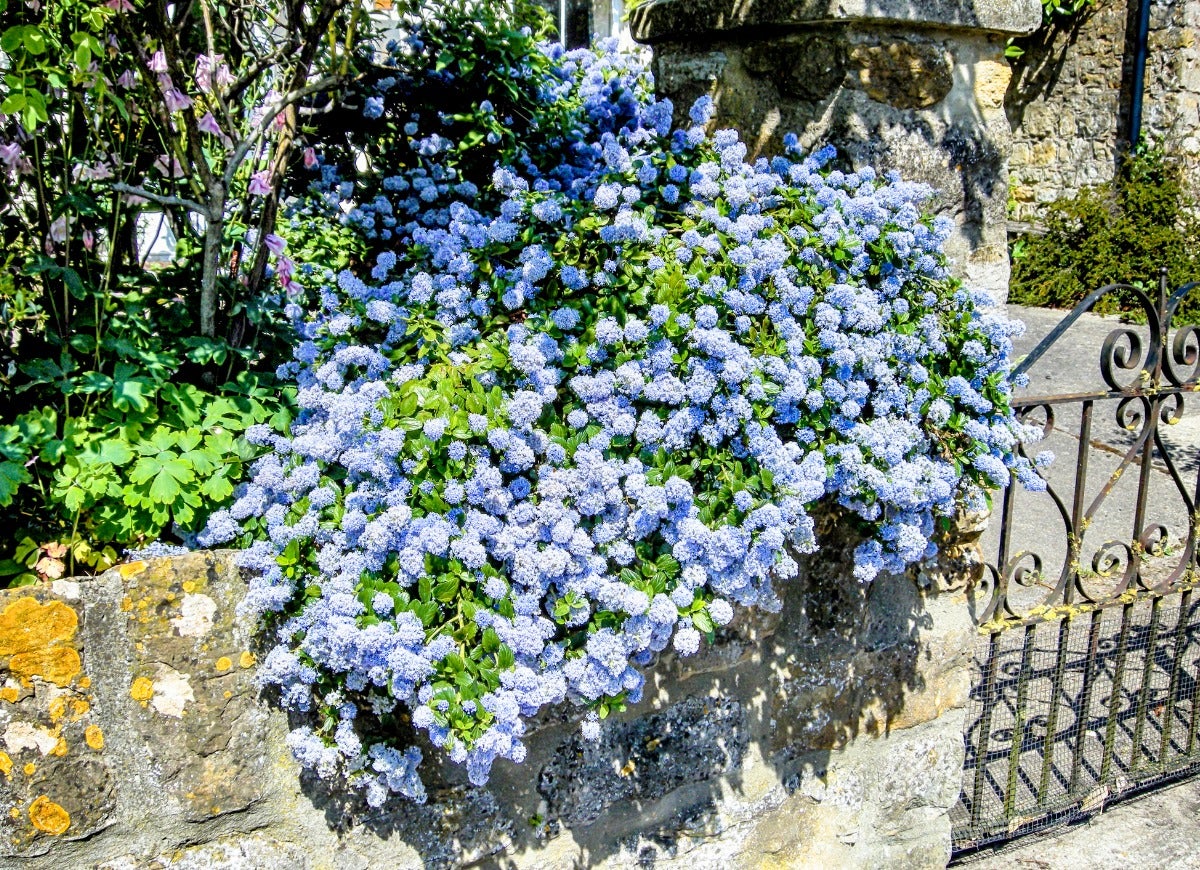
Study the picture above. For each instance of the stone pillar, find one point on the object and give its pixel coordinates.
(916, 87)
(828, 735)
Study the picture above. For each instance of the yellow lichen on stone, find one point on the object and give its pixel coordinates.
(228, 695)
(29, 768)
(79, 708)
(56, 665)
(60, 748)
(84, 682)
(126, 604)
(246, 660)
(10, 694)
(5, 764)
(94, 737)
(189, 585)
(58, 708)
(34, 634)
(132, 569)
(48, 817)
(142, 689)
(14, 813)
(223, 663)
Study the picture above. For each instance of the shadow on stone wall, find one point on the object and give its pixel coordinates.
(752, 746)
(1038, 71)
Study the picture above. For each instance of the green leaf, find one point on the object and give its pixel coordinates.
(166, 473)
(12, 475)
(115, 451)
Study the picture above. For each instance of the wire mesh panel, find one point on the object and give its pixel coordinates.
(1071, 714)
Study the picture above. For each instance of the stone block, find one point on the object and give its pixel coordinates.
(134, 739)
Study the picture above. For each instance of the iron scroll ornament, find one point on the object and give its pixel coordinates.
(1148, 371)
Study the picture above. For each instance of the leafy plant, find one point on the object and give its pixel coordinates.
(576, 405)
(1123, 231)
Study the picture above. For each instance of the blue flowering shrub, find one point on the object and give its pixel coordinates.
(581, 402)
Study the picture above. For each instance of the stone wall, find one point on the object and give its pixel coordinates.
(132, 735)
(915, 87)
(1069, 100)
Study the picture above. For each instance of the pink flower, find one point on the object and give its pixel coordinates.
(119, 5)
(274, 244)
(58, 229)
(208, 124)
(127, 79)
(210, 68)
(177, 100)
(169, 166)
(9, 153)
(158, 62)
(310, 158)
(89, 240)
(260, 183)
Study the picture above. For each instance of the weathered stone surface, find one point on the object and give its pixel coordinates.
(192, 666)
(659, 20)
(828, 732)
(907, 75)
(1071, 93)
(55, 779)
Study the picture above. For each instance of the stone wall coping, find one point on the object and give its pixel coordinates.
(662, 20)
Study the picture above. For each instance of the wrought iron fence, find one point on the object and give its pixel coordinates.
(1087, 674)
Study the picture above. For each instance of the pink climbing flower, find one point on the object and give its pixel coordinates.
(274, 243)
(177, 100)
(260, 183)
(119, 5)
(127, 80)
(310, 158)
(208, 124)
(9, 153)
(211, 69)
(89, 240)
(158, 62)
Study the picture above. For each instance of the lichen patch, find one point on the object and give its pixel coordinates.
(223, 664)
(6, 764)
(246, 659)
(131, 569)
(172, 691)
(48, 817)
(36, 635)
(195, 616)
(94, 737)
(19, 736)
(142, 689)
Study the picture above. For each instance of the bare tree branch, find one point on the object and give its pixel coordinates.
(162, 199)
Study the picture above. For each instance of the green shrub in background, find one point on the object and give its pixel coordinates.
(1123, 231)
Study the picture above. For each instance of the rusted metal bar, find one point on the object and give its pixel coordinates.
(1176, 665)
(1085, 701)
(1139, 726)
(1118, 689)
(1060, 667)
(1018, 738)
(990, 699)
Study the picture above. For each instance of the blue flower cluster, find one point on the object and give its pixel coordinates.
(575, 412)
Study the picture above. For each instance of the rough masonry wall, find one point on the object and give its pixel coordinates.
(913, 87)
(132, 735)
(1069, 100)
